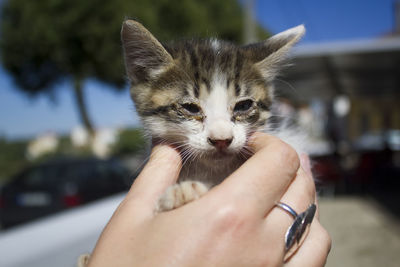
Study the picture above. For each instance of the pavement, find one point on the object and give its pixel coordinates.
(364, 233)
(57, 240)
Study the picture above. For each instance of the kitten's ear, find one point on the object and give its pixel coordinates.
(145, 57)
(269, 55)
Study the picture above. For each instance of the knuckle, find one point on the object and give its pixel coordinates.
(288, 155)
(229, 217)
(226, 216)
(309, 186)
(328, 239)
(325, 238)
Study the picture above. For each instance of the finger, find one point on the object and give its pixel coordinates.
(161, 171)
(299, 195)
(305, 164)
(263, 178)
(315, 249)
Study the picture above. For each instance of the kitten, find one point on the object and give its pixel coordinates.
(205, 97)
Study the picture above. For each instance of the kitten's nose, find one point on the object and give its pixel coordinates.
(220, 144)
(220, 133)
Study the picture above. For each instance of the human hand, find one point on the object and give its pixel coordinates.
(234, 224)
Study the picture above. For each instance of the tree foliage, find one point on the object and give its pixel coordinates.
(48, 40)
(12, 158)
(130, 141)
(44, 42)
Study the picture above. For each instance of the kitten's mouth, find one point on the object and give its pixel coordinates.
(213, 156)
(221, 155)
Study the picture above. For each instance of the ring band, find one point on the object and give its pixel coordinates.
(296, 233)
(287, 208)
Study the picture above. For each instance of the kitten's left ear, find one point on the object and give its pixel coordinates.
(144, 54)
(269, 55)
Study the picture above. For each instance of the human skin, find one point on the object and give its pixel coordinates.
(235, 224)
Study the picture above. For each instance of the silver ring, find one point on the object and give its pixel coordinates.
(295, 234)
(287, 208)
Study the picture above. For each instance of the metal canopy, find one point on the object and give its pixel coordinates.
(368, 68)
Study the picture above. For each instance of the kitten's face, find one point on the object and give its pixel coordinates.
(209, 101)
(205, 97)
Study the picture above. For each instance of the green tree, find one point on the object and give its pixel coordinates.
(45, 42)
(130, 141)
(12, 157)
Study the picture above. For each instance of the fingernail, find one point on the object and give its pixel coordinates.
(165, 152)
(305, 163)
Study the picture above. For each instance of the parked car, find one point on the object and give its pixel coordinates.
(57, 185)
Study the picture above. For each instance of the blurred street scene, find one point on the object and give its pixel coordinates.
(71, 143)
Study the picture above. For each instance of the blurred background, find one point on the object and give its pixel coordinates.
(69, 134)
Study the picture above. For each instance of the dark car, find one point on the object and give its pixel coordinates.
(54, 186)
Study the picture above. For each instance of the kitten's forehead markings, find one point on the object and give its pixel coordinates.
(258, 92)
(203, 91)
(191, 90)
(156, 72)
(194, 61)
(193, 57)
(217, 102)
(215, 44)
(163, 98)
(238, 69)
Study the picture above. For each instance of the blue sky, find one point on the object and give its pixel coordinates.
(329, 20)
(325, 20)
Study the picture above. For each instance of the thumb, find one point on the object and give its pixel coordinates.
(161, 171)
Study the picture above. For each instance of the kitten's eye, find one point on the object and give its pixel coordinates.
(243, 106)
(191, 107)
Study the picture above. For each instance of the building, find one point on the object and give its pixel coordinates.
(356, 82)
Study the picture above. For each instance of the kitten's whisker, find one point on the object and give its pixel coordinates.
(281, 116)
(247, 151)
(187, 154)
(289, 85)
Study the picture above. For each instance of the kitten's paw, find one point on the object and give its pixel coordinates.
(180, 194)
(83, 260)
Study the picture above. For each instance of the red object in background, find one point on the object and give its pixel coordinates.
(1, 202)
(72, 200)
(326, 169)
